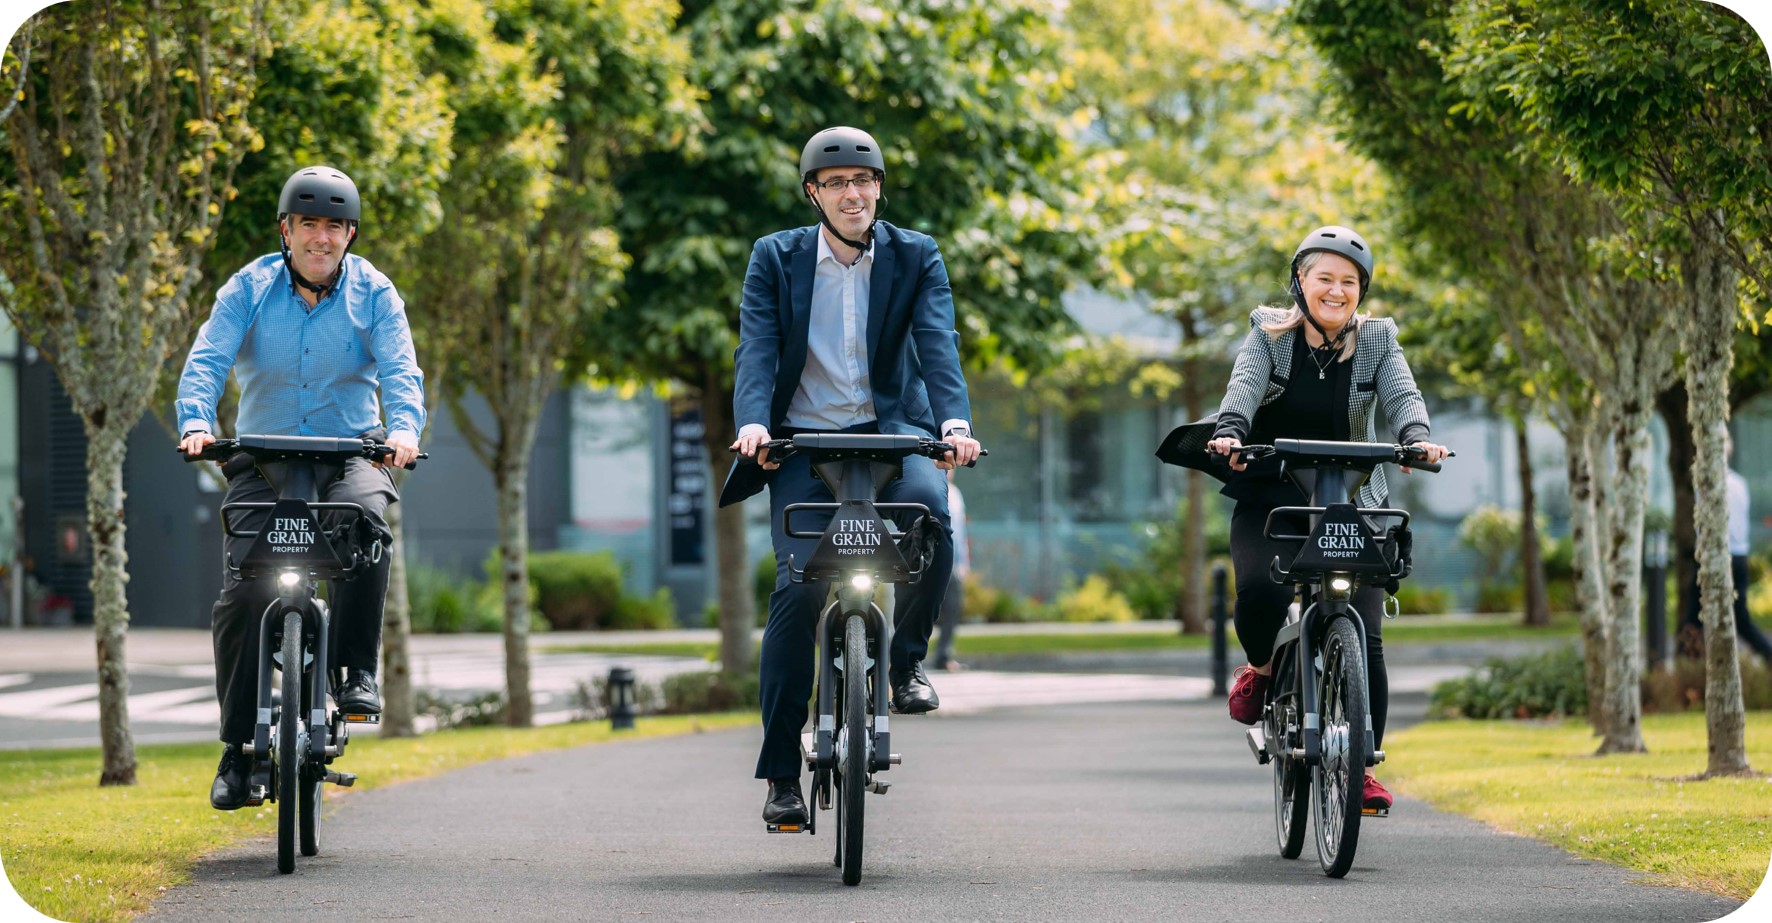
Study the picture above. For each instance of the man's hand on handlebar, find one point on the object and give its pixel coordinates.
(1226, 445)
(405, 452)
(193, 443)
(1432, 453)
(747, 446)
(965, 452)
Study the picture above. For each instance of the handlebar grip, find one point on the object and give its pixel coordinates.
(1430, 467)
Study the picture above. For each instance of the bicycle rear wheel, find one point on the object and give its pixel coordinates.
(312, 783)
(1292, 798)
(1340, 775)
(852, 747)
(289, 761)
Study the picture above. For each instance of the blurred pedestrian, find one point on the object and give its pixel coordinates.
(954, 603)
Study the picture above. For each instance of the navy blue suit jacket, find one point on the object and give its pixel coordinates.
(913, 351)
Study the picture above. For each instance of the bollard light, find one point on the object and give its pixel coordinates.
(621, 699)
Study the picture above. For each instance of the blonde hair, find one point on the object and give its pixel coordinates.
(1294, 316)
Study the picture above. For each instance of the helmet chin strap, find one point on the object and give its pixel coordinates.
(319, 289)
(1329, 343)
(826, 221)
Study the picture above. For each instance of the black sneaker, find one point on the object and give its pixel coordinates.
(358, 696)
(785, 805)
(229, 791)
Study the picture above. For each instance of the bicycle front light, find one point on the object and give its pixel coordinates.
(862, 582)
(1340, 585)
(288, 579)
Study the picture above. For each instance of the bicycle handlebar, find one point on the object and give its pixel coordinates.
(311, 448)
(781, 450)
(1403, 455)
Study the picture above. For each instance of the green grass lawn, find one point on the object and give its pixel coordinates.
(1640, 811)
(79, 852)
(1161, 636)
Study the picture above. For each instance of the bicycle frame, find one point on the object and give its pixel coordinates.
(1339, 549)
(857, 550)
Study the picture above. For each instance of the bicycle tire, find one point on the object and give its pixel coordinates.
(1292, 794)
(313, 782)
(853, 768)
(289, 761)
(1339, 777)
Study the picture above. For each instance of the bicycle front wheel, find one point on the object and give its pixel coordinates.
(289, 759)
(852, 751)
(1340, 775)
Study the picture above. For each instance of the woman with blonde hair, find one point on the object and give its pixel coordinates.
(1317, 369)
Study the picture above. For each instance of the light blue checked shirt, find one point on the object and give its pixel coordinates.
(306, 373)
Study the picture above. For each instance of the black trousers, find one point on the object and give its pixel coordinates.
(1261, 603)
(1745, 630)
(356, 605)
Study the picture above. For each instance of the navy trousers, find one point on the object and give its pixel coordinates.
(787, 668)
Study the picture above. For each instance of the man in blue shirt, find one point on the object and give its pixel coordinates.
(311, 333)
(845, 326)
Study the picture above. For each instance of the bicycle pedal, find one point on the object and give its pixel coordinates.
(362, 719)
(879, 786)
(1375, 812)
(787, 828)
(341, 779)
(1258, 745)
(255, 796)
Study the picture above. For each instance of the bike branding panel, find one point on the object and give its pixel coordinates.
(1342, 541)
(857, 539)
(291, 536)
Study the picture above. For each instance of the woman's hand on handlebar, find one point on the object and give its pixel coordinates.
(1432, 453)
(1225, 445)
(193, 443)
(405, 451)
(965, 452)
(747, 445)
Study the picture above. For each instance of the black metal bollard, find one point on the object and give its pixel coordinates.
(1220, 615)
(621, 699)
(1655, 599)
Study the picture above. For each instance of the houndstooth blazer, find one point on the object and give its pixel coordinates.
(1379, 373)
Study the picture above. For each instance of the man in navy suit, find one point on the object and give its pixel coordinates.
(846, 326)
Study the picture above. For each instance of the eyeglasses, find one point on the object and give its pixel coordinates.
(861, 183)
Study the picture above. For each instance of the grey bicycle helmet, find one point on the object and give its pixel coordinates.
(1343, 241)
(320, 191)
(841, 146)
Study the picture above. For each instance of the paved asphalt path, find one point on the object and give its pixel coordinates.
(1127, 811)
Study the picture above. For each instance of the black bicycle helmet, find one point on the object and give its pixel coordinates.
(840, 147)
(322, 192)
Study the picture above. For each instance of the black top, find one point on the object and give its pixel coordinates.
(1311, 407)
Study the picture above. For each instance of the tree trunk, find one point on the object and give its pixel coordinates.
(1709, 330)
(738, 613)
(1583, 446)
(106, 445)
(1191, 601)
(1622, 714)
(399, 706)
(1682, 540)
(1531, 556)
(512, 477)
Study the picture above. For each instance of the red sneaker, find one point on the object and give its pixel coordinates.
(1375, 796)
(1248, 695)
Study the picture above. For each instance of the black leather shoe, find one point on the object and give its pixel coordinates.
(229, 791)
(785, 805)
(911, 692)
(358, 696)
